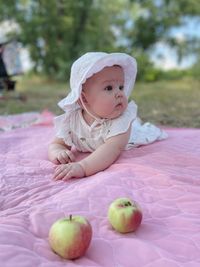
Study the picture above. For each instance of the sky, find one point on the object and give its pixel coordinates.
(170, 59)
(163, 56)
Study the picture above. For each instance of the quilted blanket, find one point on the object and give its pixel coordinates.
(164, 178)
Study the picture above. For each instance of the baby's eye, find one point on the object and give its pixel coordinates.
(108, 88)
(121, 87)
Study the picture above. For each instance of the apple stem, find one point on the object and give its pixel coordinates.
(70, 217)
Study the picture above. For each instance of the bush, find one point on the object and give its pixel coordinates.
(146, 70)
(173, 74)
(195, 71)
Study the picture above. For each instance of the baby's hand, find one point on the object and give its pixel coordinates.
(66, 171)
(63, 156)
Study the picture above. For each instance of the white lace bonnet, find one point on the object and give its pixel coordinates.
(91, 63)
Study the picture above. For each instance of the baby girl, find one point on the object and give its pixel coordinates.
(98, 117)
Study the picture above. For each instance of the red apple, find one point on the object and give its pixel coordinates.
(124, 215)
(70, 237)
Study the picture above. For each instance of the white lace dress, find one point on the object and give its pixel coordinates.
(74, 130)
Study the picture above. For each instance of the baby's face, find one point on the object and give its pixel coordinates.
(104, 93)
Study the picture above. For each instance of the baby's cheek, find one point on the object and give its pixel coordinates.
(125, 99)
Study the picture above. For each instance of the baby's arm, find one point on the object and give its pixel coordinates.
(97, 161)
(106, 154)
(59, 152)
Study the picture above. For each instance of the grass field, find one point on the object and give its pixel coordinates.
(170, 103)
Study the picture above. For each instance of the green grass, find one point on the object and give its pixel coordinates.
(170, 103)
(173, 103)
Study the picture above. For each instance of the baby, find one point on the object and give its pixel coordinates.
(98, 117)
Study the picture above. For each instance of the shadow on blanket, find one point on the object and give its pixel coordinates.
(164, 178)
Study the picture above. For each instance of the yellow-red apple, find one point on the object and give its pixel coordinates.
(124, 215)
(70, 237)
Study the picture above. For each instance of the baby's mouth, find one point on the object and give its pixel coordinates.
(118, 106)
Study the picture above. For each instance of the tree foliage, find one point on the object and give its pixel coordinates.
(58, 31)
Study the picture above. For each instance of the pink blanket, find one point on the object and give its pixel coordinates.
(164, 178)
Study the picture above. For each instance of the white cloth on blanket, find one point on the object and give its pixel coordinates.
(144, 134)
(74, 130)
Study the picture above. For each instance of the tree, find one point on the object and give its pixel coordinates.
(152, 21)
(58, 31)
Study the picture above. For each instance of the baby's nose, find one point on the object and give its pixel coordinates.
(118, 93)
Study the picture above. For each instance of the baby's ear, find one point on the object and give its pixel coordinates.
(82, 99)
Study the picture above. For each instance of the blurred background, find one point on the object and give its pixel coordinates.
(40, 39)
